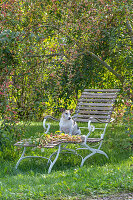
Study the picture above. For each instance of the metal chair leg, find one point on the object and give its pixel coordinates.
(21, 158)
(52, 163)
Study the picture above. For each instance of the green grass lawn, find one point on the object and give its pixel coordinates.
(98, 176)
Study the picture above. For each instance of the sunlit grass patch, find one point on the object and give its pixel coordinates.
(88, 180)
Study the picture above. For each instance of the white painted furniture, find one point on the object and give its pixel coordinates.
(94, 107)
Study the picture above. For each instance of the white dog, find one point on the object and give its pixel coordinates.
(67, 124)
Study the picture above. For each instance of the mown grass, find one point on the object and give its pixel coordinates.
(99, 176)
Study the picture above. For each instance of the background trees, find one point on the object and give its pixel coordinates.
(52, 50)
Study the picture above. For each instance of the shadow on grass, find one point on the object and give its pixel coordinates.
(66, 161)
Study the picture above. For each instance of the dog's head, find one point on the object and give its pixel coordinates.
(66, 115)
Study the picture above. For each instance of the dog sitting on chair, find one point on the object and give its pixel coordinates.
(67, 124)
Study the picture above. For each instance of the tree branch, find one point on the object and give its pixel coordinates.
(87, 52)
(130, 31)
(103, 63)
(91, 54)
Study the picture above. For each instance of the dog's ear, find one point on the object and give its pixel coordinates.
(61, 110)
(71, 111)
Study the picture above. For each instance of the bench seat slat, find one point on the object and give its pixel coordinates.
(24, 144)
(93, 120)
(99, 94)
(95, 112)
(100, 90)
(96, 108)
(95, 116)
(52, 145)
(97, 100)
(107, 96)
(95, 104)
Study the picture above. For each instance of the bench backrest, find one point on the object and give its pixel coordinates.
(96, 103)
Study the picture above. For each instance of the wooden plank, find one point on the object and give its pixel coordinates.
(51, 145)
(102, 90)
(93, 140)
(98, 96)
(24, 144)
(95, 112)
(95, 108)
(94, 120)
(97, 100)
(95, 116)
(95, 104)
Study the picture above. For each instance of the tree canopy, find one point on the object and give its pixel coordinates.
(51, 50)
(54, 49)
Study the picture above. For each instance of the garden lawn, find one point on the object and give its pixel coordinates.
(99, 176)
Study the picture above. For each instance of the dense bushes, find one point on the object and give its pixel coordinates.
(51, 51)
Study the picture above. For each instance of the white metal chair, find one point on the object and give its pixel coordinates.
(94, 106)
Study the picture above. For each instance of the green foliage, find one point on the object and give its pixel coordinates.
(9, 133)
(50, 51)
(128, 111)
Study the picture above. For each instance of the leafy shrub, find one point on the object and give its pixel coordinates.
(10, 130)
(124, 109)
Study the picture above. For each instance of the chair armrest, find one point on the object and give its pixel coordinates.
(91, 128)
(75, 116)
(51, 117)
(44, 122)
(112, 119)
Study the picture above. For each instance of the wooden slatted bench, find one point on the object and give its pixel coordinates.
(94, 106)
(96, 103)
